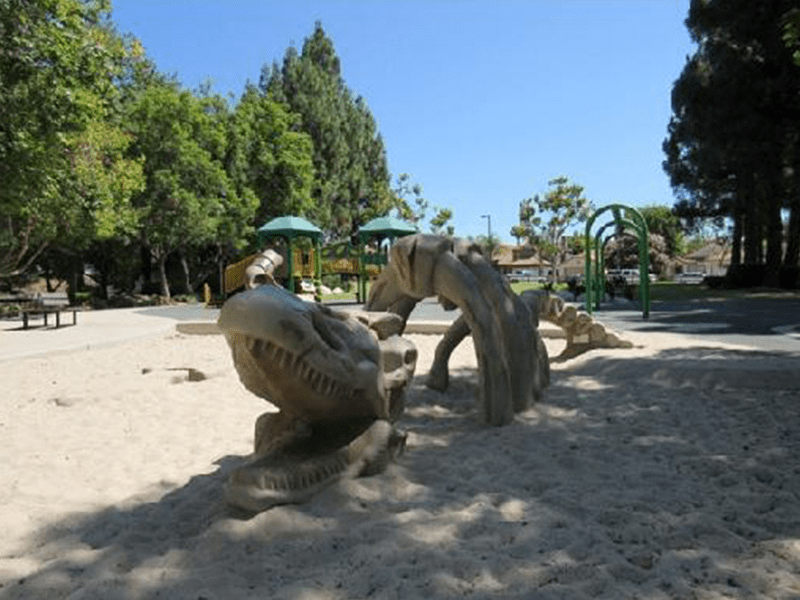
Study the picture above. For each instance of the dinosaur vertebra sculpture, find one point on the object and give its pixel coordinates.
(513, 367)
(338, 380)
(583, 333)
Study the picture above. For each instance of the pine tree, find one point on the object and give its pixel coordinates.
(351, 177)
(732, 145)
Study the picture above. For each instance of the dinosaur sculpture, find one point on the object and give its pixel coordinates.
(338, 380)
(583, 333)
(513, 367)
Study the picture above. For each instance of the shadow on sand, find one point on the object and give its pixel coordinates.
(664, 476)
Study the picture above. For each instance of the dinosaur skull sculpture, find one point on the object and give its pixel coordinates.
(337, 379)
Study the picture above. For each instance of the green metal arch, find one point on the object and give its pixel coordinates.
(595, 282)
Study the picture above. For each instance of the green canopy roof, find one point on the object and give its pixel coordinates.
(385, 227)
(290, 228)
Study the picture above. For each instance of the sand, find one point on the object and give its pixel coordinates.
(671, 470)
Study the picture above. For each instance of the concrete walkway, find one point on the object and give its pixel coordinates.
(95, 329)
(98, 328)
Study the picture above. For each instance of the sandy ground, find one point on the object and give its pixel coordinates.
(668, 471)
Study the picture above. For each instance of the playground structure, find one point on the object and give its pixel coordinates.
(625, 220)
(312, 263)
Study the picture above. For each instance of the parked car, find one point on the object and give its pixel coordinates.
(526, 276)
(630, 276)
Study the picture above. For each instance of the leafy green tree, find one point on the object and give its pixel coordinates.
(60, 149)
(439, 222)
(791, 32)
(519, 232)
(409, 201)
(663, 221)
(270, 157)
(351, 184)
(486, 243)
(412, 206)
(187, 189)
(546, 220)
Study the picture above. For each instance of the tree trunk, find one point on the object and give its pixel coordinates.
(792, 257)
(162, 274)
(736, 243)
(773, 203)
(186, 279)
(752, 229)
(146, 257)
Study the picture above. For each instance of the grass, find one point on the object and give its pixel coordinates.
(669, 291)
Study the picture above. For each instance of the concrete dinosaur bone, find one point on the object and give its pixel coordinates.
(337, 380)
(513, 367)
(581, 331)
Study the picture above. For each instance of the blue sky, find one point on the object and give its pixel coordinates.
(482, 102)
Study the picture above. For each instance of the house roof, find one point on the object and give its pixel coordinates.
(504, 255)
(712, 252)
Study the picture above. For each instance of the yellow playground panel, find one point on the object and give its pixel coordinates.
(303, 266)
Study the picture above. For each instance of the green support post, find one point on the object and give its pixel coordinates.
(290, 263)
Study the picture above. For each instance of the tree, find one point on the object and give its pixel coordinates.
(187, 189)
(405, 192)
(269, 156)
(351, 182)
(732, 145)
(547, 220)
(60, 63)
(663, 221)
(439, 222)
(518, 232)
(412, 206)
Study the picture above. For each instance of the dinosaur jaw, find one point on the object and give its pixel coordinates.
(296, 474)
(311, 362)
(293, 382)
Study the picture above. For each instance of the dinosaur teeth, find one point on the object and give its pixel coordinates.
(308, 371)
(278, 354)
(286, 359)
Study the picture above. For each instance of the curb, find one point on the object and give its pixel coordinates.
(418, 327)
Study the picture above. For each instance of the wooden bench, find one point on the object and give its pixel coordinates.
(43, 305)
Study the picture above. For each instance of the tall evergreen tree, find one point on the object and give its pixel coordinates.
(269, 157)
(351, 181)
(732, 141)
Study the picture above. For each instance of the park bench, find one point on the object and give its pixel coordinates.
(43, 305)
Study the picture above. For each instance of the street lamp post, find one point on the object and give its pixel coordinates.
(489, 244)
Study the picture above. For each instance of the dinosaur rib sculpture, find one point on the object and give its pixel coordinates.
(513, 367)
(337, 380)
(582, 334)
